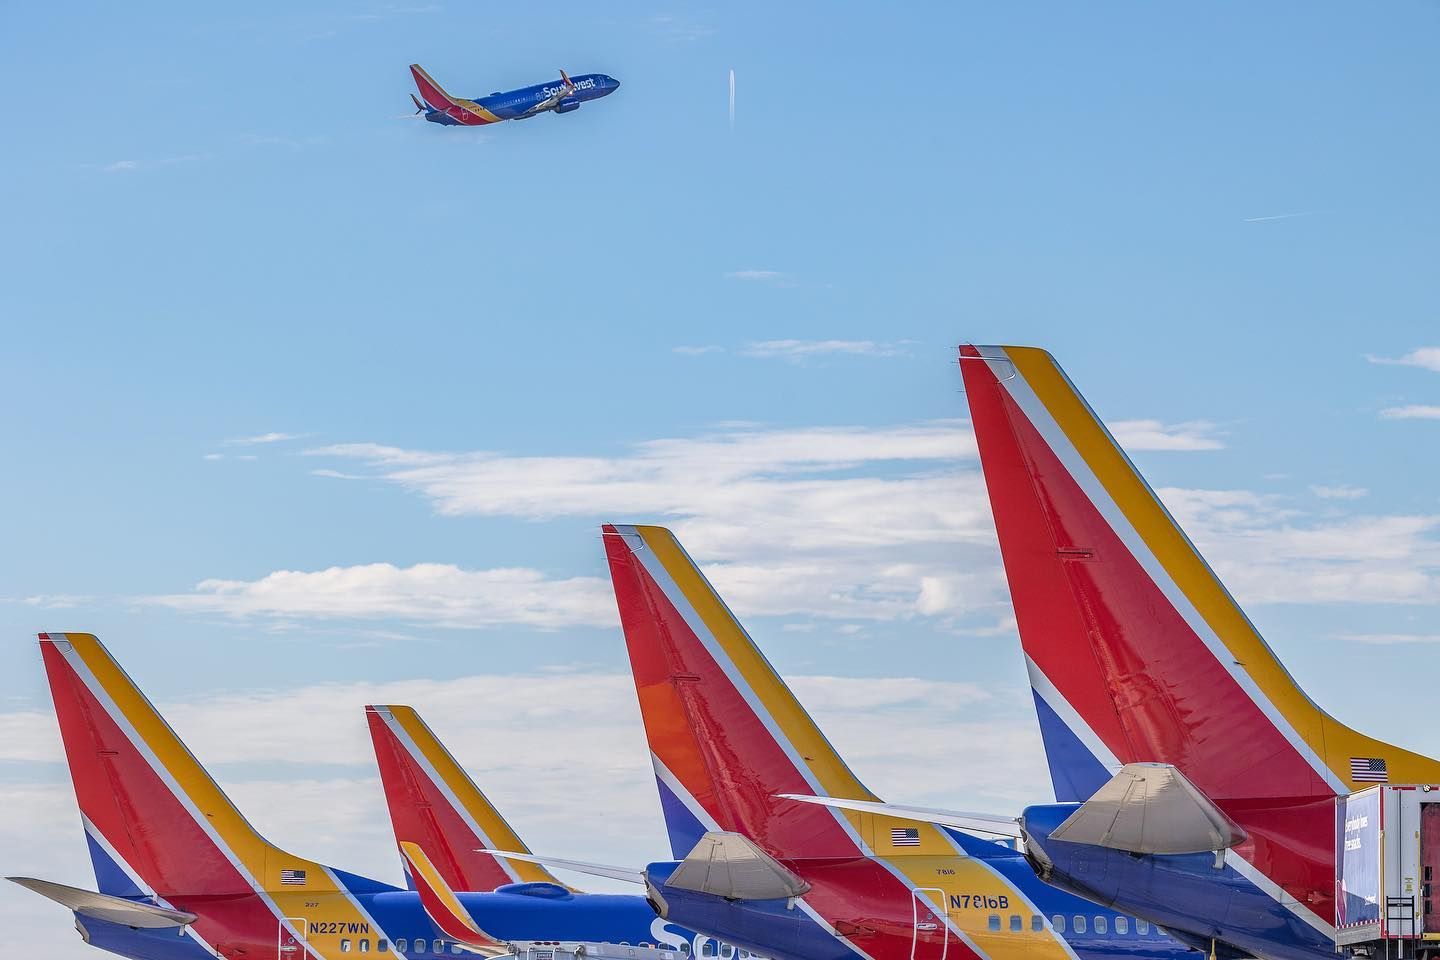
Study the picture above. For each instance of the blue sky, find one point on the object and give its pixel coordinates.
(469, 342)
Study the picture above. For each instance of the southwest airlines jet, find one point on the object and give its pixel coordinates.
(732, 749)
(441, 818)
(563, 97)
(183, 876)
(1197, 781)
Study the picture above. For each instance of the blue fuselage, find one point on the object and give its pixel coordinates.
(522, 103)
(778, 929)
(398, 926)
(1188, 893)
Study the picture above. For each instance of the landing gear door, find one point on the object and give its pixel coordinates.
(294, 932)
(932, 937)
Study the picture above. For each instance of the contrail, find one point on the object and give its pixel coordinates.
(732, 99)
(1279, 216)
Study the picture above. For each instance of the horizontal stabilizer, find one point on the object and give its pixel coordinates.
(730, 865)
(1150, 808)
(102, 906)
(623, 874)
(989, 823)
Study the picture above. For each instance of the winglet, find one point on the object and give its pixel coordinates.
(435, 805)
(441, 904)
(565, 79)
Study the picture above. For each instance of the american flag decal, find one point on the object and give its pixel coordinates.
(905, 837)
(1369, 770)
(292, 876)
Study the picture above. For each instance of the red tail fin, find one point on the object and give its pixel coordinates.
(435, 806)
(431, 91)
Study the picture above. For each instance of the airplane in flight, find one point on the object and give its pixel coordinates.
(436, 807)
(563, 97)
(1196, 782)
(183, 876)
(739, 765)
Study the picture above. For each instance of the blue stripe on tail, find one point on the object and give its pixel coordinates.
(684, 829)
(109, 877)
(1075, 772)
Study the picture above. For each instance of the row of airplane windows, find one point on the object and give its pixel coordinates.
(1077, 924)
(708, 949)
(401, 946)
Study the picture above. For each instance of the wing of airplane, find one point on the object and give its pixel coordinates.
(722, 864)
(623, 874)
(993, 824)
(1150, 808)
(567, 87)
(102, 906)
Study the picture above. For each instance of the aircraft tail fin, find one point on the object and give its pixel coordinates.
(158, 826)
(726, 735)
(430, 91)
(436, 807)
(1136, 651)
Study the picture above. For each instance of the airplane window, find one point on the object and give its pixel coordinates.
(1015, 925)
(994, 921)
(1079, 924)
(1101, 925)
(1122, 925)
(365, 945)
(1142, 927)
(685, 948)
(345, 945)
(727, 951)
(455, 948)
(381, 946)
(1037, 923)
(420, 946)
(708, 949)
(439, 946)
(401, 945)
(1058, 922)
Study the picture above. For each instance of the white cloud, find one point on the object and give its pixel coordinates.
(1136, 435)
(438, 593)
(871, 524)
(1411, 412)
(695, 351)
(131, 166)
(1391, 639)
(213, 456)
(1339, 492)
(1267, 551)
(271, 437)
(1427, 358)
(761, 275)
(806, 349)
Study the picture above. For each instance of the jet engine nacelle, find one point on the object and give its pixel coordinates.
(566, 105)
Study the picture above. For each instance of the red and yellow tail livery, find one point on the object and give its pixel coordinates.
(436, 808)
